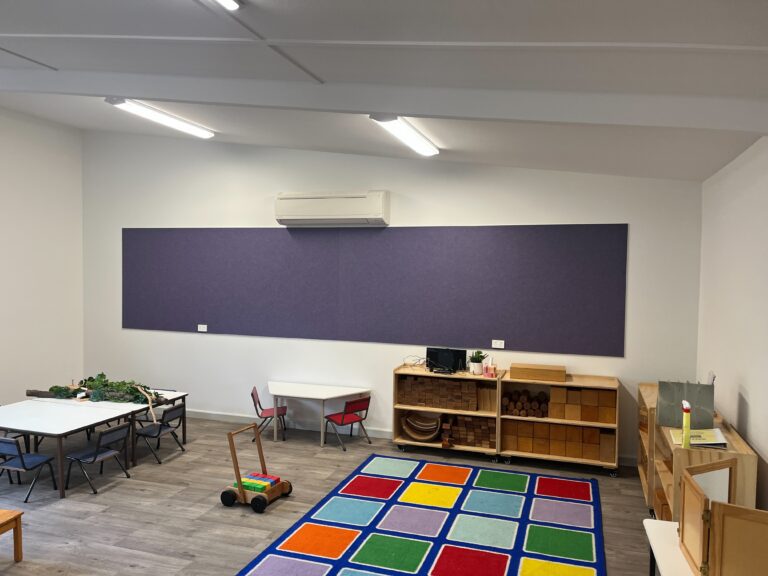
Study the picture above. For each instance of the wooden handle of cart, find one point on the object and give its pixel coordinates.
(233, 453)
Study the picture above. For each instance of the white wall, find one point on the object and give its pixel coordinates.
(41, 291)
(134, 181)
(733, 334)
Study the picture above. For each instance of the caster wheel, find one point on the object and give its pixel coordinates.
(507, 460)
(287, 488)
(401, 447)
(228, 498)
(259, 504)
(613, 473)
(495, 459)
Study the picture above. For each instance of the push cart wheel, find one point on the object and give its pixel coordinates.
(228, 498)
(259, 504)
(287, 488)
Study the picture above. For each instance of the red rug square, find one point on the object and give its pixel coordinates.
(458, 561)
(368, 486)
(561, 488)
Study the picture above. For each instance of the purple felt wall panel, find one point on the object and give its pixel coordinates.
(558, 288)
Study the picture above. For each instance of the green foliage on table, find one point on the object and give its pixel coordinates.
(102, 389)
(63, 391)
(478, 356)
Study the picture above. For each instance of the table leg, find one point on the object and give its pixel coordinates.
(274, 420)
(652, 564)
(60, 464)
(322, 422)
(184, 421)
(131, 437)
(18, 550)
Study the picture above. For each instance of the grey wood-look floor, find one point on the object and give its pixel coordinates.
(166, 519)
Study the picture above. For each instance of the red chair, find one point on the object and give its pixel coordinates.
(349, 417)
(267, 414)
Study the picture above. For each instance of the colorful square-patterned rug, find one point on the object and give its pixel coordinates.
(402, 516)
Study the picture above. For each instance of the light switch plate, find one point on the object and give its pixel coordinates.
(202, 327)
(497, 344)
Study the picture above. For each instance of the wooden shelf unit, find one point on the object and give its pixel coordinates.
(562, 439)
(665, 460)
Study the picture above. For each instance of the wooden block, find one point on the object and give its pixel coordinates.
(541, 445)
(606, 398)
(545, 372)
(590, 451)
(573, 411)
(573, 434)
(525, 429)
(509, 427)
(540, 430)
(557, 410)
(573, 396)
(589, 397)
(606, 414)
(589, 413)
(590, 435)
(558, 394)
(557, 447)
(557, 431)
(573, 449)
(608, 446)
(524, 444)
(509, 443)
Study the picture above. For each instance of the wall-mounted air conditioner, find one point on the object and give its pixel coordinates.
(369, 208)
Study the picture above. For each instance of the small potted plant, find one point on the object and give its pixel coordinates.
(476, 362)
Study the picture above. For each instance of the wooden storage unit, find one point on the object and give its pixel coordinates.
(565, 435)
(666, 462)
(468, 400)
(646, 468)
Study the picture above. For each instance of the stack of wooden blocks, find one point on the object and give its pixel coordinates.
(437, 393)
(473, 431)
(583, 404)
(559, 440)
(526, 404)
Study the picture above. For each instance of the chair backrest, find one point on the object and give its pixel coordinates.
(356, 406)
(112, 436)
(256, 402)
(11, 448)
(174, 413)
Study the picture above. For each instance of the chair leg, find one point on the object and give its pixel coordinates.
(121, 466)
(175, 437)
(351, 428)
(86, 476)
(18, 477)
(335, 431)
(101, 468)
(69, 473)
(262, 426)
(53, 476)
(365, 432)
(34, 481)
(326, 432)
(152, 450)
(281, 419)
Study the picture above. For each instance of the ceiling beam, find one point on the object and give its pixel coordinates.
(536, 106)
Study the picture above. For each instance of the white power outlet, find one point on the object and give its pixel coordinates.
(202, 327)
(498, 344)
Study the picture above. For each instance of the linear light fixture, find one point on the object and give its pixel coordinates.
(229, 4)
(406, 133)
(156, 115)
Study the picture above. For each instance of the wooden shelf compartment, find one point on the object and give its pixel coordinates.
(590, 462)
(410, 442)
(419, 370)
(573, 381)
(478, 413)
(561, 421)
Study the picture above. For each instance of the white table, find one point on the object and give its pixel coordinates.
(306, 391)
(59, 418)
(665, 549)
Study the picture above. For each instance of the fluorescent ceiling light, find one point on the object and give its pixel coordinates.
(229, 4)
(156, 115)
(406, 133)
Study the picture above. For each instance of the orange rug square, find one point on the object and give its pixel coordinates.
(445, 474)
(317, 540)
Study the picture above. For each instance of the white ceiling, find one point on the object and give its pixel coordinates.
(615, 86)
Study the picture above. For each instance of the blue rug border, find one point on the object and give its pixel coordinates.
(599, 565)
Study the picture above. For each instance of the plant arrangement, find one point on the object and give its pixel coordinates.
(102, 389)
(478, 356)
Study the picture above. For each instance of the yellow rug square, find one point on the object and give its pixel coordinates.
(534, 567)
(430, 495)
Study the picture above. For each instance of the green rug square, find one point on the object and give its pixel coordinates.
(502, 481)
(560, 542)
(392, 552)
(483, 531)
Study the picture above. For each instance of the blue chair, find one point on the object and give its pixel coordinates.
(110, 444)
(17, 461)
(168, 424)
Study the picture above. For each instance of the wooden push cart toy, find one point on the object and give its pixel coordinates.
(258, 489)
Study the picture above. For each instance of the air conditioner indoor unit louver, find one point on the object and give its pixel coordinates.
(369, 208)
